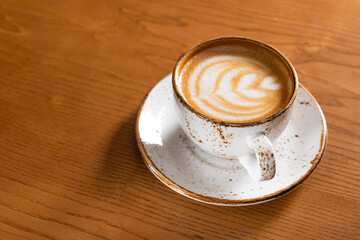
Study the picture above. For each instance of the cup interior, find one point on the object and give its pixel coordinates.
(252, 47)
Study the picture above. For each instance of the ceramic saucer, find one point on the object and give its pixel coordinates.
(188, 170)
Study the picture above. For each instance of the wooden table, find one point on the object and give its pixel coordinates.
(73, 74)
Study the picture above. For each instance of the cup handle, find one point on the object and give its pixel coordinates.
(261, 164)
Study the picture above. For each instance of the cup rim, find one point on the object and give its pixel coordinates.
(229, 123)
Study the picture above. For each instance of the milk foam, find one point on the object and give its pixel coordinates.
(231, 86)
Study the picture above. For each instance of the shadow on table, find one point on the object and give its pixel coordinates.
(123, 164)
(123, 175)
(127, 183)
(257, 221)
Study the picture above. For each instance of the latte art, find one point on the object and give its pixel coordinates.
(228, 84)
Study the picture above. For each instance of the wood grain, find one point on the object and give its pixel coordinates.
(73, 74)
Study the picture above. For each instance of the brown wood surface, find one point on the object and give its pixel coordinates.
(72, 75)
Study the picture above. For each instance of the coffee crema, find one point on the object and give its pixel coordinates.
(235, 83)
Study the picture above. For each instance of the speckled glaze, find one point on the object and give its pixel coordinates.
(225, 140)
(251, 143)
(174, 159)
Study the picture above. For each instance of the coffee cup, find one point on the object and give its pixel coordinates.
(234, 97)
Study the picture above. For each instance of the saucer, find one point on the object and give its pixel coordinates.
(190, 171)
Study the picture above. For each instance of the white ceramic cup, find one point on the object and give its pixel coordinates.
(251, 143)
